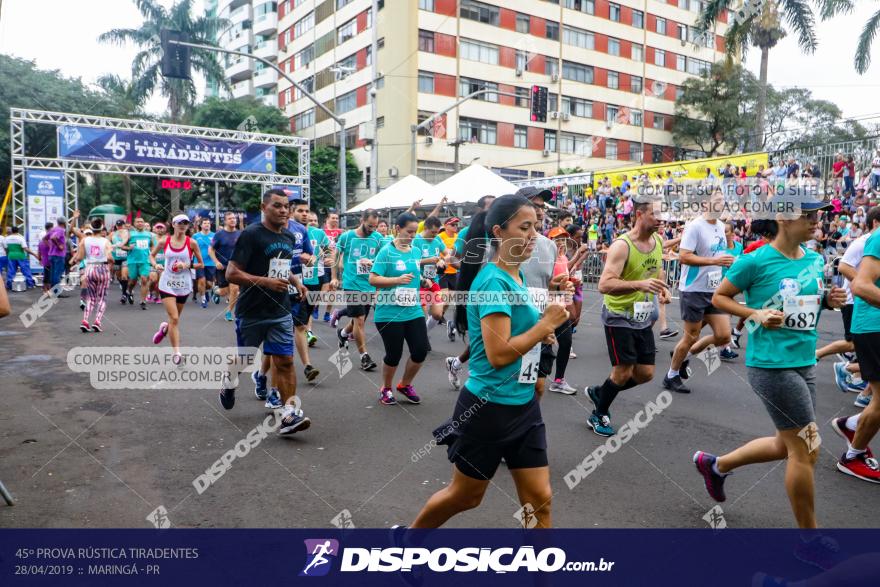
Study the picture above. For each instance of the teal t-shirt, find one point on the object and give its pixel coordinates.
(505, 296)
(141, 241)
(767, 278)
(460, 241)
(204, 241)
(399, 303)
(735, 251)
(386, 239)
(866, 318)
(429, 248)
(320, 242)
(355, 276)
(119, 254)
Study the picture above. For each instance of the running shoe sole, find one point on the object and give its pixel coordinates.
(84, 327)
(861, 405)
(97, 328)
(303, 424)
(846, 471)
(839, 427)
(411, 399)
(596, 431)
(669, 335)
(160, 334)
(562, 390)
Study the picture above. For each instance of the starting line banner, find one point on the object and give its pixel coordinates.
(135, 147)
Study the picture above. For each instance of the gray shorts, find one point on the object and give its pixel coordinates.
(697, 304)
(789, 395)
(275, 334)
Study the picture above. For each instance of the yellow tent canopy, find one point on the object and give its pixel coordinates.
(693, 169)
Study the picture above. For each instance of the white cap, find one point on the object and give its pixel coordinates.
(180, 218)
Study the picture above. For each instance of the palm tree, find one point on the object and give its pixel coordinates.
(146, 67)
(863, 49)
(763, 28)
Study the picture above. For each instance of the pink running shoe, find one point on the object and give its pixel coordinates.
(160, 334)
(84, 326)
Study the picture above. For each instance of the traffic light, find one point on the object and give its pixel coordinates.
(175, 58)
(539, 104)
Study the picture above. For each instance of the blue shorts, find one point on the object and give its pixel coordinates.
(275, 334)
(208, 273)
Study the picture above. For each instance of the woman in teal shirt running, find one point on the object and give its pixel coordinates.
(497, 415)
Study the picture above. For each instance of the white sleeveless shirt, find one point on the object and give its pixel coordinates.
(95, 247)
(177, 283)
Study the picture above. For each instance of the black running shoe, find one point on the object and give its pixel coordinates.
(227, 398)
(294, 421)
(685, 370)
(311, 373)
(675, 385)
(143, 305)
(343, 341)
(130, 299)
(367, 363)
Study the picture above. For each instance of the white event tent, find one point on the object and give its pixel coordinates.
(400, 195)
(469, 185)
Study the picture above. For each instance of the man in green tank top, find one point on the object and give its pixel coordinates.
(632, 283)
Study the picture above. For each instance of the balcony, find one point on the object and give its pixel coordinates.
(269, 100)
(265, 23)
(239, 69)
(265, 78)
(242, 89)
(240, 14)
(267, 50)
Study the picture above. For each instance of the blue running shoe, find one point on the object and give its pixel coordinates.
(292, 421)
(326, 316)
(862, 401)
(714, 482)
(259, 385)
(841, 376)
(727, 354)
(601, 425)
(859, 387)
(315, 313)
(273, 400)
(228, 316)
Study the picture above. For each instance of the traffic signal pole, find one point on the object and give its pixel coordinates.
(340, 121)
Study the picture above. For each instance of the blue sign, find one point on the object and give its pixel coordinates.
(124, 146)
(44, 183)
(293, 192)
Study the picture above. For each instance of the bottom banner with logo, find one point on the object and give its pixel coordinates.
(760, 558)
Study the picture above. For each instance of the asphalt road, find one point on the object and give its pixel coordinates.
(76, 456)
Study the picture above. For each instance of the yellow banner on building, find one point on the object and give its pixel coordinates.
(693, 169)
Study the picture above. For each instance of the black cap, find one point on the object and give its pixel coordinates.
(530, 192)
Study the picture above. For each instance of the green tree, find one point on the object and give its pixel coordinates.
(763, 28)
(797, 119)
(714, 110)
(325, 176)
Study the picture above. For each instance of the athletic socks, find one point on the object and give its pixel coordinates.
(672, 373)
(717, 472)
(607, 393)
(851, 452)
(852, 422)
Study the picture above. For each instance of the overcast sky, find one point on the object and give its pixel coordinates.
(62, 34)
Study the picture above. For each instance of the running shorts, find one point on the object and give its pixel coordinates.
(846, 312)
(630, 346)
(180, 299)
(448, 281)
(354, 304)
(220, 278)
(789, 395)
(868, 352)
(275, 334)
(697, 304)
(138, 270)
(208, 273)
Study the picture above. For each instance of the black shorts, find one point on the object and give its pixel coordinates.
(322, 279)
(548, 359)
(180, 299)
(448, 281)
(220, 278)
(208, 273)
(630, 346)
(117, 264)
(868, 352)
(480, 434)
(300, 311)
(846, 312)
(356, 308)
(697, 304)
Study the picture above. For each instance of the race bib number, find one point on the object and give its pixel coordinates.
(362, 268)
(539, 298)
(713, 279)
(429, 271)
(801, 312)
(142, 244)
(406, 296)
(308, 272)
(175, 283)
(279, 268)
(579, 275)
(642, 311)
(528, 369)
(121, 253)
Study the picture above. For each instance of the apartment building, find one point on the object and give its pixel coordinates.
(612, 69)
(253, 26)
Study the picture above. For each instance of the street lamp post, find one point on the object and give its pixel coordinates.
(427, 122)
(340, 121)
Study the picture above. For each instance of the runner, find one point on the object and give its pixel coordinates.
(632, 283)
(332, 230)
(735, 250)
(220, 252)
(140, 242)
(498, 415)
(207, 274)
(702, 258)
(399, 317)
(784, 294)
(431, 248)
(559, 236)
(766, 230)
(382, 229)
(154, 296)
(175, 281)
(314, 272)
(97, 253)
(449, 276)
(303, 258)
(860, 429)
(118, 238)
(261, 265)
(355, 252)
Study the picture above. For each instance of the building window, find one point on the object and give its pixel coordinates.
(349, 63)
(661, 26)
(552, 30)
(522, 98)
(570, 143)
(635, 117)
(522, 60)
(578, 38)
(656, 154)
(638, 19)
(636, 84)
(611, 113)
(346, 31)
(304, 24)
(611, 149)
(659, 122)
(588, 6)
(346, 102)
(304, 57)
(480, 12)
(304, 119)
(469, 86)
(551, 66)
(660, 57)
(550, 140)
(680, 63)
(613, 80)
(577, 72)
(380, 122)
(520, 137)
(426, 41)
(339, 3)
(614, 12)
(552, 103)
(523, 23)
(426, 5)
(481, 131)
(635, 152)
(697, 66)
(308, 84)
(476, 51)
(577, 107)
(614, 47)
(679, 92)
(426, 82)
(638, 53)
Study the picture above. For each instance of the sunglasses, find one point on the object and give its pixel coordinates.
(184, 222)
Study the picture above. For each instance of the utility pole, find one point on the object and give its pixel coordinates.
(455, 145)
(340, 121)
(374, 148)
